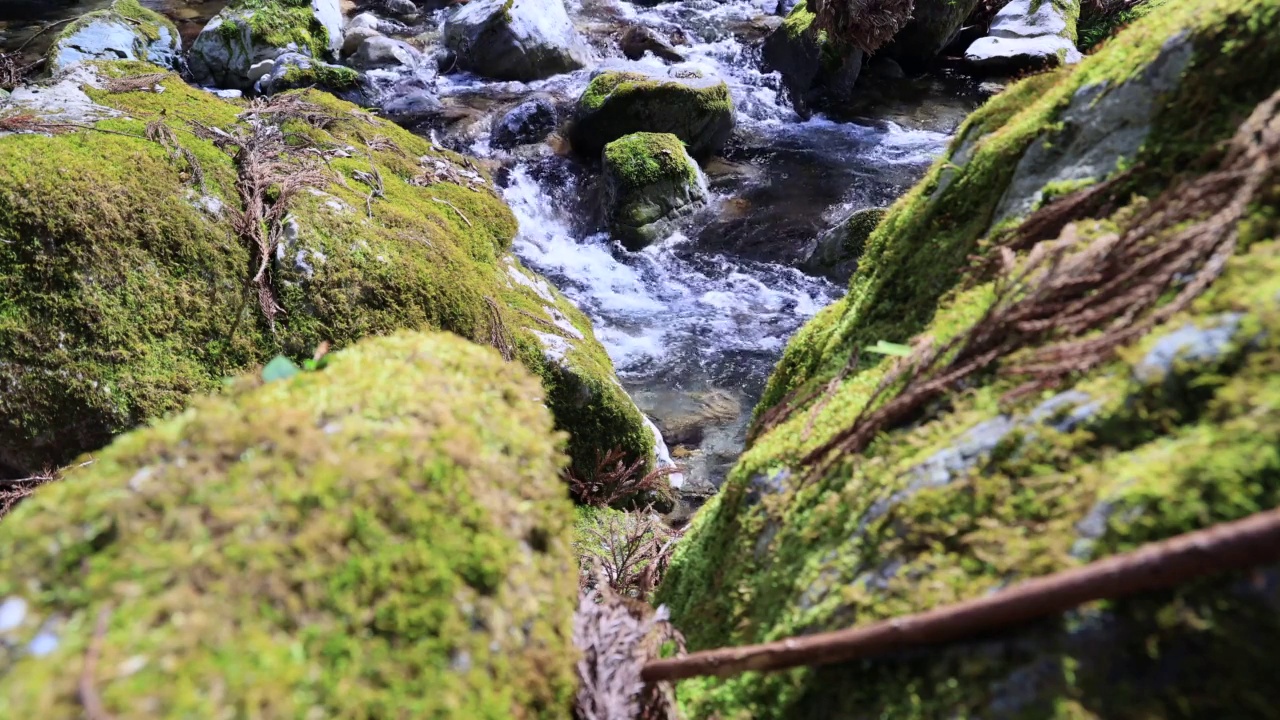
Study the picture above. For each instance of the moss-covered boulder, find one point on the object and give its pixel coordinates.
(1028, 35)
(240, 45)
(388, 535)
(128, 283)
(867, 494)
(650, 182)
(124, 31)
(813, 65)
(835, 253)
(696, 109)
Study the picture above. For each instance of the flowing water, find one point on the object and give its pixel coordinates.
(694, 323)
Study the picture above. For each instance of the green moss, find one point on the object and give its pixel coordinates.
(617, 103)
(642, 159)
(329, 77)
(977, 491)
(126, 295)
(276, 23)
(386, 536)
(1096, 27)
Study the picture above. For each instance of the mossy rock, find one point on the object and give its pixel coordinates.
(813, 65)
(650, 182)
(127, 289)
(836, 252)
(247, 33)
(982, 489)
(126, 30)
(388, 535)
(696, 109)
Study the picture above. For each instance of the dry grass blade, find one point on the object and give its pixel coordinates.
(499, 335)
(613, 480)
(268, 179)
(279, 109)
(616, 638)
(866, 24)
(87, 688)
(136, 83)
(1076, 301)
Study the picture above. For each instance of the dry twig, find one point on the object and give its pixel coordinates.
(88, 690)
(616, 637)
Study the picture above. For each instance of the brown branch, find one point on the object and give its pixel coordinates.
(1237, 545)
(455, 209)
(89, 697)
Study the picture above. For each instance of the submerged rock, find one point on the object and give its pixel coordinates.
(396, 516)
(153, 304)
(515, 39)
(650, 182)
(981, 481)
(529, 122)
(248, 32)
(696, 109)
(125, 31)
(836, 252)
(1029, 35)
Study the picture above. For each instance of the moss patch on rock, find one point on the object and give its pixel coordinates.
(980, 490)
(697, 110)
(387, 535)
(651, 180)
(126, 288)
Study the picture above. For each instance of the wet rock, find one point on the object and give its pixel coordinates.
(650, 182)
(248, 32)
(515, 39)
(696, 109)
(295, 70)
(384, 52)
(836, 252)
(63, 99)
(529, 122)
(811, 65)
(400, 9)
(933, 25)
(412, 102)
(125, 31)
(1028, 35)
(638, 40)
(355, 36)
(1104, 125)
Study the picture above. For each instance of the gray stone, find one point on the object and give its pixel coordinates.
(63, 99)
(638, 40)
(355, 36)
(1103, 125)
(226, 50)
(529, 122)
(384, 52)
(1189, 344)
(294, 70)
(111, 35)
(413, 103)
(805, 66)
(515, 39)
(1028, 34)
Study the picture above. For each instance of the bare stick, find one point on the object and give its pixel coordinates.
(455, 209)
(1253, 541)
(89, 697)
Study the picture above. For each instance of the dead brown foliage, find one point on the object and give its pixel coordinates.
(866, 24)
(13, 492)
(149, 82)
(499, 334)
(616, 637)
(268, 179)
(613, 480)
(628, 552)
(279, 109)
(1076, 300)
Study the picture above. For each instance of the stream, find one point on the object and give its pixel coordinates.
(694, 323)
